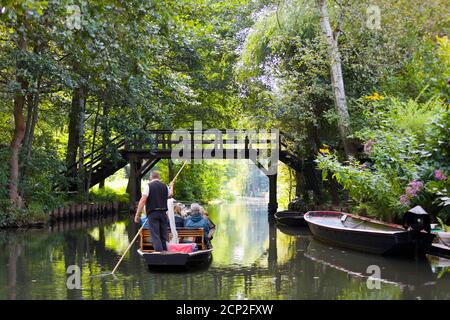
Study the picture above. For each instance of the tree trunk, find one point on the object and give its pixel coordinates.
(312, 181)
(32, 112)
(19, 132)
(32, 116)
(81, 169)
(19, 127)
(299, 185)
(74, 137)
(33, 126)
(105, 132)
(336, 75)
(29, 101)
(94, 136)
(334, 191)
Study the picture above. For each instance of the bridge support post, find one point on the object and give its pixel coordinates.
(134, 183)
(273, 204)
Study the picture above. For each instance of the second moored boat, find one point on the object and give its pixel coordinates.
(290, 218)
(369, 235)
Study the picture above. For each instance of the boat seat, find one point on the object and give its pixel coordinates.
(185, 235)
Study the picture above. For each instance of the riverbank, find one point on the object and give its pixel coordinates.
(101, 202)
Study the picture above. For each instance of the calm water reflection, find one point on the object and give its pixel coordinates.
(251, 261)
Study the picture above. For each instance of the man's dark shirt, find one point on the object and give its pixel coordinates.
(157, 196)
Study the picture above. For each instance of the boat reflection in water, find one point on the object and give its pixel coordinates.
(294, 231)
(420, 276)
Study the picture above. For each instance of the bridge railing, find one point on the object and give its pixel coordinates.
(209, 139)
(167, 140)
(91, 159)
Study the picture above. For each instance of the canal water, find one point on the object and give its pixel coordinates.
(251, 260)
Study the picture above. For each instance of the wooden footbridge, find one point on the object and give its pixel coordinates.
(263, 148)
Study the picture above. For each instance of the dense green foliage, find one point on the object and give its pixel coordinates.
(284, 71)
(284, 68)
(132, 65)
(74, 75)
(407, 159)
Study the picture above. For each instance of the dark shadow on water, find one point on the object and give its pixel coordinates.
(180, 269)
(294, 231)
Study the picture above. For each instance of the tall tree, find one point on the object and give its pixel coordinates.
(19, 103)
(75, 125)
(337, 79)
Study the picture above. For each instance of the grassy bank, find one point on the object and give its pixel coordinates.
(33, 215)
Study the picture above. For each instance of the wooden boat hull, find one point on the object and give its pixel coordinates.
(392, 242)
(290, 218)
(440, 250)
(156, 259)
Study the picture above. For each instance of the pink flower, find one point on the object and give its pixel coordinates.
(411, 191)
(439, 175)
(404, 200)
(414, 187)
(368, 146)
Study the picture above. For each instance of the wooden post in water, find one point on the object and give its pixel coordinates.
(85, 209)
(51, 215)
(60, 213)
(80, 212)
(78, 209)
(101, 209)
(134, 182)
(273, 204)
(73, 209)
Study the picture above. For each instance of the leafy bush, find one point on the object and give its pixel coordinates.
(11, 216)
(36, 187)
(43, 172)
(4, 171)
(108, 195)
(406, 158)
(426, 74)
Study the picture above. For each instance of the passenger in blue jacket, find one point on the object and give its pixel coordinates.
(196, 220)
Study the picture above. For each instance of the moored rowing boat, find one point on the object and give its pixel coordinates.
(367, 235)
(290, 218)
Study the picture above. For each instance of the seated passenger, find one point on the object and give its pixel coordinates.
(179, 220)
(196, 220)
(211, 225)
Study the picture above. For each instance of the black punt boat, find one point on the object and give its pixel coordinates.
(290, 218)
(367, 235)
(176, 259)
